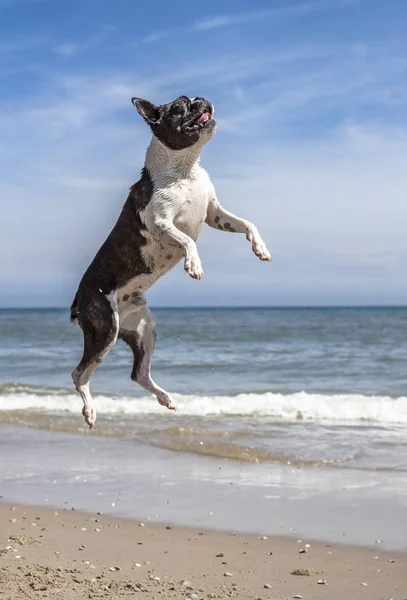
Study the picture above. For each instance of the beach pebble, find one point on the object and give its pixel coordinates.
(297, 597)
(391, 560)
(322, 582)
(137, 565)
(267, 586)
(114, 569)
(227, 574)
(263, 537)
(141, 525)
(307, 546)
(302, 551)
(220, 555)
(83, 529)
(378, 541)
(301, 572)
(364, 584)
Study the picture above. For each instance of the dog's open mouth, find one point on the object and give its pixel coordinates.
(200, 121)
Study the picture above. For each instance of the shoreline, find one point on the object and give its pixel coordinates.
(73, 555)
(135, 480)
(118, 518)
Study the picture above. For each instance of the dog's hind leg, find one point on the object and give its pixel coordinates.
(138, 330)
(99, 321)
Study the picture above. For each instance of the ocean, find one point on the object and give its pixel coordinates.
(323, 386)
(289, 421)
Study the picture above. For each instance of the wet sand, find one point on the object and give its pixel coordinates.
(47, 553)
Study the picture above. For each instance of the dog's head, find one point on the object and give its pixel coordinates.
(181, 123)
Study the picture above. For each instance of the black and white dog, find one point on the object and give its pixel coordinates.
(158, 226)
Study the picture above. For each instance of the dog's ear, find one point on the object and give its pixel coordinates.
(147, 110)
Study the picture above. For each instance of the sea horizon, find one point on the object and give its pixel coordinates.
(237, 307)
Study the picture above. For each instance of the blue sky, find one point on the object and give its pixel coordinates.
(311, 103)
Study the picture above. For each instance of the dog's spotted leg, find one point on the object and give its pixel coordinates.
(219, 218)
(160, 224)
(138, 330)
(100, 325)
(192, 264)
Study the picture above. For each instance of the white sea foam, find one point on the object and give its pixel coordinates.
(291, 407)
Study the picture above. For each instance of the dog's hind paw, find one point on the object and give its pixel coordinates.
(90, 415)
(168, 402)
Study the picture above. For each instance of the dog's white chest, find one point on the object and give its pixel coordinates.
(186, 200)
(190, 206)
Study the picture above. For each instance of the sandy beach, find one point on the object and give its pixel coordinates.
(47, 553)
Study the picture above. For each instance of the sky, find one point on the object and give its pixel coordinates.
(311, 105)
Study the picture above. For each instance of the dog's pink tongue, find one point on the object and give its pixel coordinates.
(205, 117)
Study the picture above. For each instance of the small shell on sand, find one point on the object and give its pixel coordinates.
(322, 582)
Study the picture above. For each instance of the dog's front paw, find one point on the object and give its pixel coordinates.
(260, 249)
(194, 268)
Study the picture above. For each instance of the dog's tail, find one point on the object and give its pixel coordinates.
(75, 309)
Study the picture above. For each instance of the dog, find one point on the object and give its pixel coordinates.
(158, 226)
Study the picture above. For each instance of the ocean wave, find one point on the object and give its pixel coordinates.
(340, 408)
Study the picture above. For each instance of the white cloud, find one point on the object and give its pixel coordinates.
(293, 10)
(67, 49)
